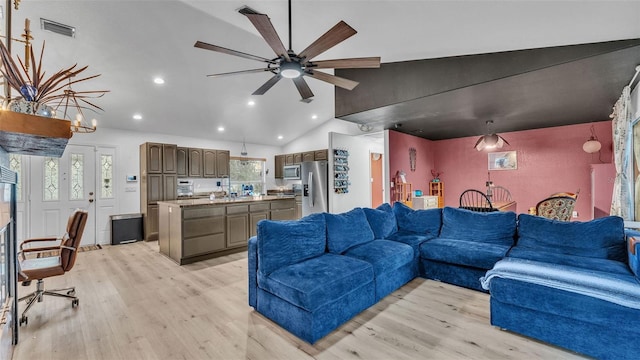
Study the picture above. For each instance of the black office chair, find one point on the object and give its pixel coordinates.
(476, 200)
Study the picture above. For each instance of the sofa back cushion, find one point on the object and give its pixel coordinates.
(498, 227)
(425, 222)
(599, 238)
(282, 243)
(347, 230)
(382, 220)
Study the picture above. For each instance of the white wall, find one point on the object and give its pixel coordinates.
(359, 148)
(127, 160)
(318, 137)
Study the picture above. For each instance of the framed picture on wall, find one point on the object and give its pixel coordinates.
(506, 160)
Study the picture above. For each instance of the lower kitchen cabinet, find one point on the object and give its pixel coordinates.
(196, 230)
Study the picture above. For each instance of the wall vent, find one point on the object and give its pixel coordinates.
(57, 28)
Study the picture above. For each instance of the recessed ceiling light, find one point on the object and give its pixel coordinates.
(137, 117)
(251, 103)
(314, 116)
(158, 80)
(280, 137)
(220, 128)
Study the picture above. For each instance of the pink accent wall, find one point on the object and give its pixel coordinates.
(550, 160)
(399, 144)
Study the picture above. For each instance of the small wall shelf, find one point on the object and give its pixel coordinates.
(33, 135)
(436, 188)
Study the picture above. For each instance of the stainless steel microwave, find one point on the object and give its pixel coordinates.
(291, 172)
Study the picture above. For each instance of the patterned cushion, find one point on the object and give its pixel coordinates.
(556, 208)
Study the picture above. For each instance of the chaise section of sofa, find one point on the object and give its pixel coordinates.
(569, 284)
(469, 244)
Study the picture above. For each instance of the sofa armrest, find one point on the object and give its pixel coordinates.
(252, 258)
(633, 252)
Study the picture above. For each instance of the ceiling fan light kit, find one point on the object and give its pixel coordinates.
(294, 66)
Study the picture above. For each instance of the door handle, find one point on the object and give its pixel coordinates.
(311, 189)
(90, 200)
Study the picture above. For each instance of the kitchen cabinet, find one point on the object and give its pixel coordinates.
(158, 182)
(182, 155)
(237, 225)
(308, 156)
(222, 163)
(193, 230)
(298, 206)
(195, 162)
(210, 170)
(288, 159)
(297, 158)
(169, 154)
(279, 166)
(320, 155)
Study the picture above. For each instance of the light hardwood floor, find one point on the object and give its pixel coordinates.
(137, 304)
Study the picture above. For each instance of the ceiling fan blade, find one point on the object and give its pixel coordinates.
(303, 88)
(268, 85)
(334, 36)
(220, 49)
(332, 79)
(352, 63)
(239, 72)
(264, 26)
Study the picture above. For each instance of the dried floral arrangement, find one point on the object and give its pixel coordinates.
(33, 86)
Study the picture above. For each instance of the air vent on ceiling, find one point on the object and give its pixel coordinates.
(57, 28)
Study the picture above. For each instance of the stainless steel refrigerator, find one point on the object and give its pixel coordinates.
(315, 187)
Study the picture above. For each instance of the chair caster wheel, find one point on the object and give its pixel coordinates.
(75, 303)
(71, 292)
(24, 320)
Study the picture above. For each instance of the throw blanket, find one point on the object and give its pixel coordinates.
(616, 288)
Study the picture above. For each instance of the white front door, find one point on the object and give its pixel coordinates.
(58, 187)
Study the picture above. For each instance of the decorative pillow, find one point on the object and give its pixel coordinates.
(382, 220)
(282, 243)
(498, 227)
(418, 221)
(347, 230)
(599, 238)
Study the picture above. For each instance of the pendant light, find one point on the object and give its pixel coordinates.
(592, 145)
(491, 141)
(244, 154)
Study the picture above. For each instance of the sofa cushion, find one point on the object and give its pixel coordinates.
(347, 230)
(410, 238)
(312, 283)
(282, 243)
(606, 265)
(419, 221)
(497, 227)
(384, 255)
(382, 221)
(599, 238)
(463, 252)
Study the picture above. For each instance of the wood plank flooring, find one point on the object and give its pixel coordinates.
(137, 304)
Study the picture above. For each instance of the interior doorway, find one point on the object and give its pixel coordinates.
(377, 181)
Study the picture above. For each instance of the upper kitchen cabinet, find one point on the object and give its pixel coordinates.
(288, 159)
(160, 158)
(279, 165)
(308, 156)
(195, 162)
(297, 158)
(169, 163)
(319, 155)
(222, 163)
(210, 170)
(182, 155)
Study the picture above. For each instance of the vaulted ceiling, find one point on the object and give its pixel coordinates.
(131, 42)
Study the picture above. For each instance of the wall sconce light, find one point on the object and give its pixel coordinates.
(592, 145)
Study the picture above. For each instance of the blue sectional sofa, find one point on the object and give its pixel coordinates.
(313, 274)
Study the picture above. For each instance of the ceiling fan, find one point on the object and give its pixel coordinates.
(292, 65)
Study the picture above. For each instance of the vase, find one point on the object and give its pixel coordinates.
(21, 105)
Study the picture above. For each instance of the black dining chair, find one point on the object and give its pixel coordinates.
(476, 200)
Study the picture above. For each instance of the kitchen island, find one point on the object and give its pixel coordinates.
(197, 229)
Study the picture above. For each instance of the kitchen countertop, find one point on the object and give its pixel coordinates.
(206, 201)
